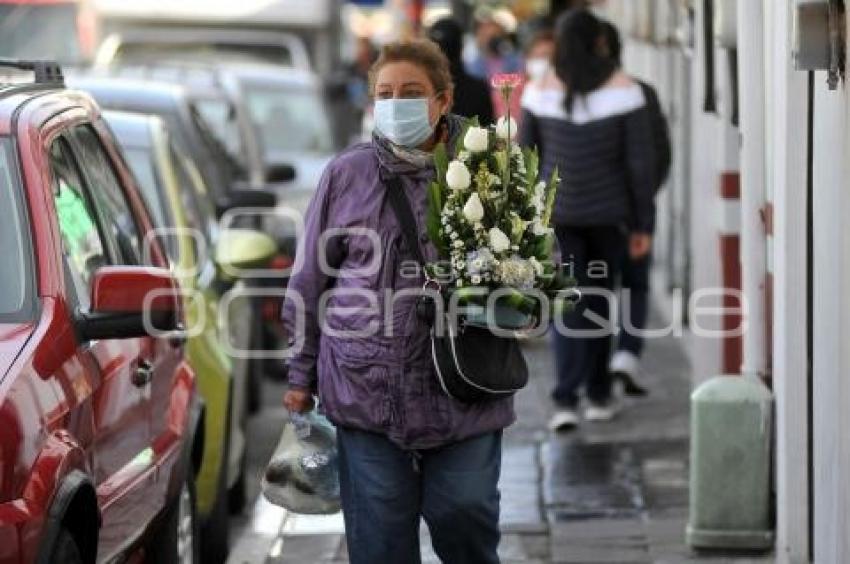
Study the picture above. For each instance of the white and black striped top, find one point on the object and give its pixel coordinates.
(604, 150)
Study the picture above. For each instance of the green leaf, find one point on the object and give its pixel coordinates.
(441, 162)
(549, 202)
(532, 164)
(433, 216)
(543, 247)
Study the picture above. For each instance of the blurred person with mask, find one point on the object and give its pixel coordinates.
(471, 94)
(495, 51)
(635, 272)
(595, 130)
(539, 54)
(538, 58)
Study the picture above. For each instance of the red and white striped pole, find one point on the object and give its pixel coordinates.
(730, 270)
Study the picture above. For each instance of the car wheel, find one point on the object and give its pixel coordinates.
(216, 530)
(257, 368)
(176, 541)
(237, 497)
(66, 550)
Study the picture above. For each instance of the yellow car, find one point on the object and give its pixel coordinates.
(202, 258)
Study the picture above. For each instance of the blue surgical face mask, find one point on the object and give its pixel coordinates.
(404, 121)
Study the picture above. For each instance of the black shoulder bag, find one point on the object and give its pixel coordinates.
(471, 363)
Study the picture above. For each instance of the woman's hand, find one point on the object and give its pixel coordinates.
(639, 245)
(298, 401)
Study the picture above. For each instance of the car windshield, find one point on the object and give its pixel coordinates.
(13, 242)
(40, 31)
(289, 119)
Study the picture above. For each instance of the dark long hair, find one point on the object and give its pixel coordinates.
(582, 58)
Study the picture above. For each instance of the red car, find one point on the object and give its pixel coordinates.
(99, 419)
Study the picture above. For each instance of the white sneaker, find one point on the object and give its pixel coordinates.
(625, 367)
(624, 362)
(601, 412)
(564, 420)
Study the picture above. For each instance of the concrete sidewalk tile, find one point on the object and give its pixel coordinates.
(599, 528)
(565, 554)
(297, 549)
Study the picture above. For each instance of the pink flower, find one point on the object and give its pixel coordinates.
(506, 81)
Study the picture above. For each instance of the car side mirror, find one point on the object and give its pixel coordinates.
(131, 301)
(246, 198)
(240, 249)
(279, 173)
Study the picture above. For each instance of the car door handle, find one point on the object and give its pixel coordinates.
(143, 374)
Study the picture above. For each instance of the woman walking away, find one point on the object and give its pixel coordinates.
(406, 449)
(596, 131)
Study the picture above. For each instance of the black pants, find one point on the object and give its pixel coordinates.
(596, 255)
(635, 281)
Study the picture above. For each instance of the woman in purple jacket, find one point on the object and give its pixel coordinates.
(406, 449)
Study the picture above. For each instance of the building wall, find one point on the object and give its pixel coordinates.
(706, 145)
(787, 167)
(831, 322)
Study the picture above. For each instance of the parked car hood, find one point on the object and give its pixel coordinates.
(13, 337)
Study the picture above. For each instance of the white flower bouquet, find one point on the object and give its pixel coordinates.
(488, 215)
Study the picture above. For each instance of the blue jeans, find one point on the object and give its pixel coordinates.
(595, 253)
(385, 490)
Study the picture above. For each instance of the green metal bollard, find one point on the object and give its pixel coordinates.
(731, 427)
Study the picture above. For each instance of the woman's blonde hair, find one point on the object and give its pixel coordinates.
(423, 53)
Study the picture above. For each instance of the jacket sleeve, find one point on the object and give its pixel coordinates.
(661, 135)
(307, 284)
(641, 167)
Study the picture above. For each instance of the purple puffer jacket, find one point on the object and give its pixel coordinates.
(381, 379)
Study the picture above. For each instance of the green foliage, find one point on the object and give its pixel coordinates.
(549, 200)
(432, 219)
(532, 163)
(441, 162)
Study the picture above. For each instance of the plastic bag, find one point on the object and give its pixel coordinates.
(303, 473)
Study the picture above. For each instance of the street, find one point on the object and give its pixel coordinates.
(614, 492)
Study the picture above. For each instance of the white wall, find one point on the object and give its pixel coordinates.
(831, 323)
(786, 151)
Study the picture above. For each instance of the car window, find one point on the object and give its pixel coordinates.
(82, 240)
(109, 196)
(220, 116)
(289, 119)
(195, 199)
(141, 163)
(13, 240)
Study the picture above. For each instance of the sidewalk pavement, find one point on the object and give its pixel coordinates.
(613, 492)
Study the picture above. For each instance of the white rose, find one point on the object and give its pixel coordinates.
(499, 242)
(473, 211)
(476, 279)
(457, 176)
(538, 228)
(475, 140)
(506, 128)
(458, 244)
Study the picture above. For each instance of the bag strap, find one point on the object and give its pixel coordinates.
(404, 214)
